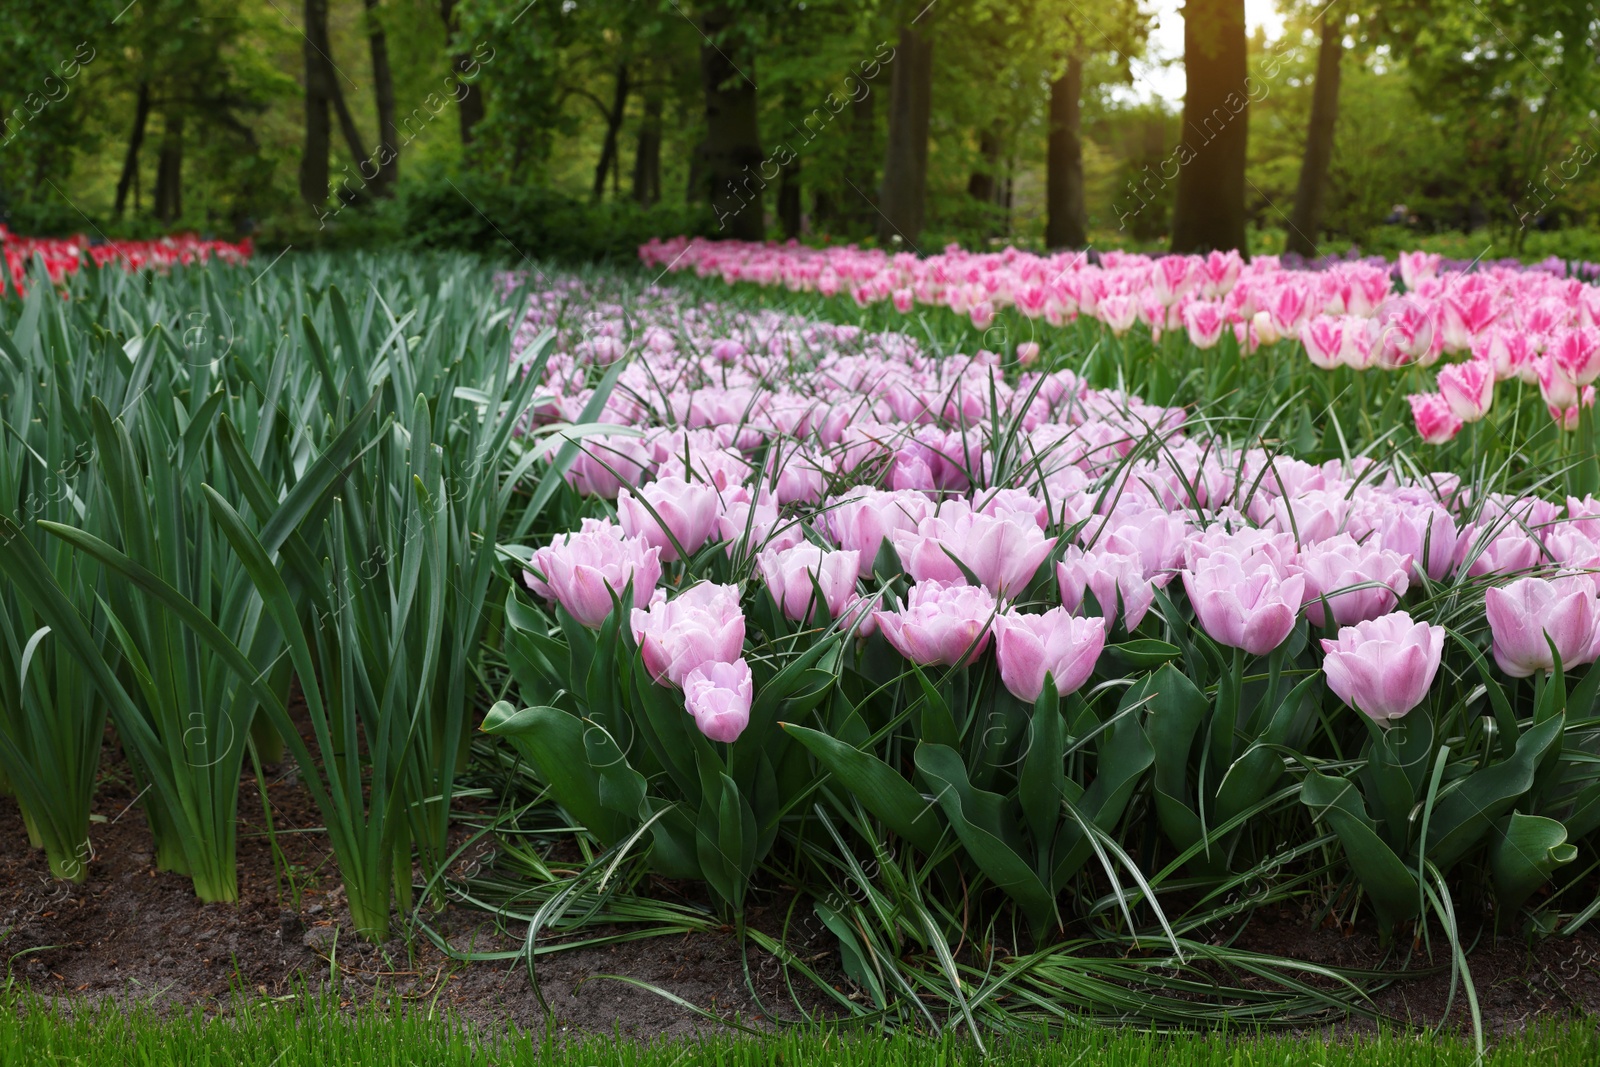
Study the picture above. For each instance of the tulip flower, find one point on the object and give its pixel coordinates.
(1357, 581)
(1113, 577)
(703, 624)
(861, 519)
(1523, 614)
(718, 695)
(1575, 355)
(1056, 643)
(794, 577)
(1436, 423)
(940, 624)
(668, 510)
(1002, 551)
(585, 571)
(1253, 610)
(1468, 388)
(1204, 319)
(1383, 667)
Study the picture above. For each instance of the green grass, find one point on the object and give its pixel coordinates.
(36, 1032)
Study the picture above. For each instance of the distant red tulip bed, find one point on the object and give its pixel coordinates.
(64, 255)
(1021, 628)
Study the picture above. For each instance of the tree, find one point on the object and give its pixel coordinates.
(1305, 222)
(318, 129)
(731, 155)
(1064, 227)
(388, 154)
(1210, 208)
(903, 200)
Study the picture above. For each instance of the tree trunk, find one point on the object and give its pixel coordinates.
(1064, 161)
(469, 105)
(981, 184)
(169, 172)
(130, 161)
(388, 154)
(347, 126)
(1306, 221)
(647, 157)
(1209, 213)
(905, 164)
(732, 148)
(859, 216)
(608, 151)
(789, 208)
(314, 154)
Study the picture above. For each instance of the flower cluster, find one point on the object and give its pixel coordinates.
(64, 255)
(1024, 513)
(1495, 323)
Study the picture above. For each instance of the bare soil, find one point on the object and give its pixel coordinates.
(132, 933)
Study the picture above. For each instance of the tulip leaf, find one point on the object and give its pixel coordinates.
(1526, 851)
(1039, 783)
(621, 788)
(1174, 709)
(974, 823)
(1260, 767)
(1386, 880)
(1464, 814)
(881, 789)
(1142, 653)
(553, 741)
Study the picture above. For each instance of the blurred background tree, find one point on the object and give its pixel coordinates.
(576, 128)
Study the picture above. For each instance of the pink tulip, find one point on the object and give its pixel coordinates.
(755, 525)
(1323, 337)
(703, 624)
(670, 509)
(1436, 423)
(1383, 667)
(607, 462)
(1204, 319)
(1523, 613)
(1468, 388)
(1575, 354)
(1028, 353)
(1055, 643)
(1118, 313)
(1426, 533)
(982, 315)
(861, 519)
(1249, 609)
(718, 695)
(1002, 551)
(789, 577)
(940, 624)
(902, 300)
(1113, 577)
(583, 570)
(1357, 581)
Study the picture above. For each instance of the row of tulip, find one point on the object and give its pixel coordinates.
(1501, 322)
(774, 521)
(62, 256)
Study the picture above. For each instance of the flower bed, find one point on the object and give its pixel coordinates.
(826, 595)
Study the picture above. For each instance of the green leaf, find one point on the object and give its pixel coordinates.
(1526, 852)
(1463, 815)
(1391, 886)
(1141, 654)
(553, 741)
(962, 805)
(881, 790)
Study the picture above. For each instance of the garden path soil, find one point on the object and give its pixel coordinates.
(134, 934)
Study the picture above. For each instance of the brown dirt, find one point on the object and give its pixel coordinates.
(132, 933)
